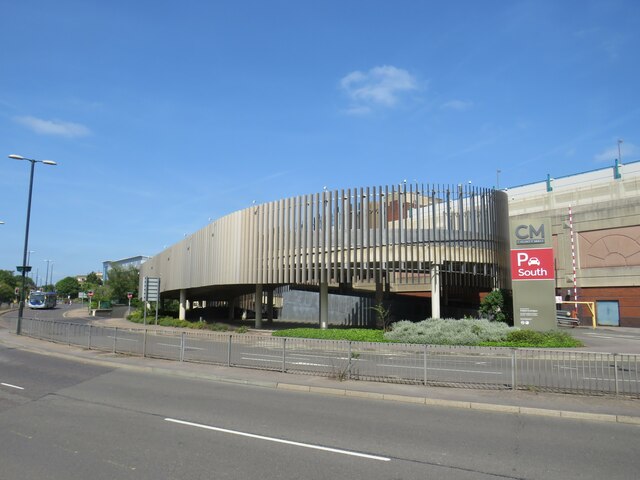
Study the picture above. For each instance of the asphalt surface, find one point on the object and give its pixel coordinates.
(63, 419)
(590, 408)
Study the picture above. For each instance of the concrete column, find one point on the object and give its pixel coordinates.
(435, 291)
(232, 307)
(270, 305)
(182, 311)
(258, 306)
(324, 305)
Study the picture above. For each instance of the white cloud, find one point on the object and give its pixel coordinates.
(459, 105)
(610, 154)
(379, 87)
(54, 127)
(358, 110)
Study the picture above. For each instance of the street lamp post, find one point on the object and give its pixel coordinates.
(29, 260)
(26, 233)
(620, 153)
(46, 277)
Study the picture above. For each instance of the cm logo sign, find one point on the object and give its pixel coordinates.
(529, 234)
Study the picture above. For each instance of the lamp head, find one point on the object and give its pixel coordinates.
(16, 157)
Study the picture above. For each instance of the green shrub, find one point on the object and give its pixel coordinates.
(444, 332)
(497, 306)
(436, 331)
(242, 329)
(529, 336)
(533, 339)
(351, 334)
(218, 327)
(137, 316)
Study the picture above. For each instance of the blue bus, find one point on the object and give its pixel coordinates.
(42, 300)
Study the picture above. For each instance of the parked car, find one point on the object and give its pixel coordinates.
(564, 317)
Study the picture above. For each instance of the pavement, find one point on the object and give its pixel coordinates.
(561, 406)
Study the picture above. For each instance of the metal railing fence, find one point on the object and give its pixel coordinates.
(579, 372)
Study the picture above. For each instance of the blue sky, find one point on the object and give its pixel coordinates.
(165, 114)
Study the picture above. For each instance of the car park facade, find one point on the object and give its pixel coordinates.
(333, 256)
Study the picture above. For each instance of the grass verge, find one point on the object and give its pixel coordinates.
(351, 334)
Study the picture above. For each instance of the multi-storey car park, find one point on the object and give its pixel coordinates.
(333, 257)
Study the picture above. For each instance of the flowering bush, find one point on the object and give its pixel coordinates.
(436, 331)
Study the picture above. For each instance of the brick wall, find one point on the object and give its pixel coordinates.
(628, 299)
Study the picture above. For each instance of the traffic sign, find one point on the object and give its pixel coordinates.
(129, 295)
(90, 293)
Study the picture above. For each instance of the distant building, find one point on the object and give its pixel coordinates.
(595, 219)
(83, 278)
(122, 263)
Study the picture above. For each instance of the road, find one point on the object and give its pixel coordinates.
(441, 366)
(59, 313)
(61, 419)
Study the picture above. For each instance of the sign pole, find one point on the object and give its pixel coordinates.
(144, 300)
(150, 293)
(90, 294)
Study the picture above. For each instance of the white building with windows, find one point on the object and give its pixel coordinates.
(122, 263)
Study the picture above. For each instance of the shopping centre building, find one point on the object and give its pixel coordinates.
(595, 218)
(416, 250)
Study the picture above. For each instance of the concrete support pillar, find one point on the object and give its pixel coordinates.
(270, 305)
(435, 291)
(232, 307)
(182, 311)
(323, 303)
(258, 306)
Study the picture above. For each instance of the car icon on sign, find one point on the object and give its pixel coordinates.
(534, 261)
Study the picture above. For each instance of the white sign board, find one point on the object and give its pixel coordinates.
(151, 289)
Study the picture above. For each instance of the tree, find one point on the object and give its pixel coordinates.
(103, 293)
(122, 281)
(498, 306)
(91, 283)
(68, 286)
(383, 314)
(7, 278)
(7, 293)
(28, 282)
(93, 279)
(9, 282)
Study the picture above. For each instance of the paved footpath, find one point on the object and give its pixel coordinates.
(563, 406)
